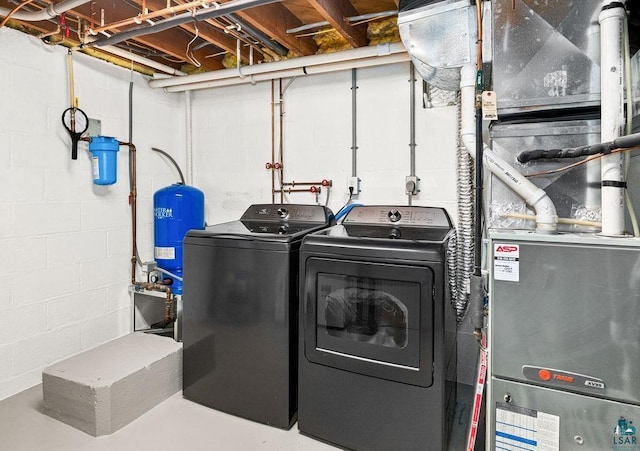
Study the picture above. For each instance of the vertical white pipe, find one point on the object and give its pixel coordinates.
(612, 116)
(593, 196)
(188, 136)
(536, 198)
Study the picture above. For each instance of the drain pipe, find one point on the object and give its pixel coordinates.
(189, 136)
(536, 198)
(611, 21)
(47, 13)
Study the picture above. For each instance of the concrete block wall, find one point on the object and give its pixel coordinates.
(232, 141)
(64, 242)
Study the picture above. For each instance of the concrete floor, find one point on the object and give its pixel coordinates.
(176, 424)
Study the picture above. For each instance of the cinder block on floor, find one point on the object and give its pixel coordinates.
(102, 389)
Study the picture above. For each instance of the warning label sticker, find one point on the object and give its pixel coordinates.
(506, 262)
(519, 428)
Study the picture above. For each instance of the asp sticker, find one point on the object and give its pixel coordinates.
(506, 262)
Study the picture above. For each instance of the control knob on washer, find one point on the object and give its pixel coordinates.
(283, 213)
(394, 215)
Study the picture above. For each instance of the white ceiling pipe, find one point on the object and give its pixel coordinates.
(141, 60)
(46, 13)
(612, 117)
(293, 63)
(536, 198)
(294, 72)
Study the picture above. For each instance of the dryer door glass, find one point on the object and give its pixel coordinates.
(370, 318)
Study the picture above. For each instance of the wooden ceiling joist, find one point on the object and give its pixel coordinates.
(205, 31)
(274, 20)
(336, 13)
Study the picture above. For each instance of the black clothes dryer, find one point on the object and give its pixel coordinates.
(240, 312)
(377, 358)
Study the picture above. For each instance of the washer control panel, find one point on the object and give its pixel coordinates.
(286, 212)
(398, 216)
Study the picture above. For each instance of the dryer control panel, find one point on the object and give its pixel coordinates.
(398, 216)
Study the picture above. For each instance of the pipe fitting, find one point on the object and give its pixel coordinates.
(546, 216)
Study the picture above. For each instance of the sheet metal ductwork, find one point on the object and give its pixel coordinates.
(440, 37)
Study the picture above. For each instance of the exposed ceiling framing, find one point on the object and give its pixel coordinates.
(253, 34)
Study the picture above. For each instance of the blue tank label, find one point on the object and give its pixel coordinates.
(162, 212)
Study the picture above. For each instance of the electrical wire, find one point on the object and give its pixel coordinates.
(189, 54)
(573, 165)
(337, 215)
(177, 166)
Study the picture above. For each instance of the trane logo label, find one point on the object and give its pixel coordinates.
(505, 248)
(162, 212)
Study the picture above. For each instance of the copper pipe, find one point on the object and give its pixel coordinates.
(281, 144)
(294, 183)
(299, 190)
(133, 199)
(143, 17)
(479, 43)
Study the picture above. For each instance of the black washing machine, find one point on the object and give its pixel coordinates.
(240, 313)
(377, 359)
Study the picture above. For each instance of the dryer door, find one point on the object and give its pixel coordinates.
(370, 318)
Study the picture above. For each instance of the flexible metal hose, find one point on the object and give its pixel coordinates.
(465, 229)
(452, 263)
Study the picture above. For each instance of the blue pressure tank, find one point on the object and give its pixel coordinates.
(177, 209)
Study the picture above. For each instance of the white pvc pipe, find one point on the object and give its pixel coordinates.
(304, 62)
(46, 13)
(293, 72)
(593, 196)
(141, 60)
(612, 117)
(536, 198)
(188, 136)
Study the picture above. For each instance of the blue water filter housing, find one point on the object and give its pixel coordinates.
(177, 209)
(104, 159)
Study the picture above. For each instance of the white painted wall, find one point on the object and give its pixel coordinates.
(64, 242)
(232, 142)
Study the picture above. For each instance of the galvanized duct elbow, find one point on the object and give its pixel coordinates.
(440, 37)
